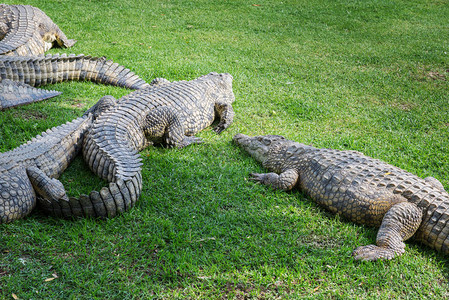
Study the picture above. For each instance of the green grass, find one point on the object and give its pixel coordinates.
(365, 75)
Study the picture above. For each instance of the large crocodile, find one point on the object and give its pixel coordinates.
(41, 70)
(362, 189)
(168, 113)
(27, 31)
(33, 167)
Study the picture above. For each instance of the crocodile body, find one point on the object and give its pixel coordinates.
(168, 113)
(42, 70)
(32, 169)
(27, 31)
(362, 189)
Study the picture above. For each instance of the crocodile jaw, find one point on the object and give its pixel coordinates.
(257, 146)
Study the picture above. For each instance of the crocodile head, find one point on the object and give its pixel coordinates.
(257, 146)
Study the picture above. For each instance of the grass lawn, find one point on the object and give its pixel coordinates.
(366, 75)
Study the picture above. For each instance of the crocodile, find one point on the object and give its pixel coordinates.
(167, 113)
(32, 168)
(27, 31)
(362, 189)
(16, 93)
(42, 70)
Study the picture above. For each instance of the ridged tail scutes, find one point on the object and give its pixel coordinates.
(110, 201)
(42, 70)
(14, 94)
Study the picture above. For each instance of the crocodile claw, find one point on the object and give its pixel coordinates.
(373, 253)
(189, 140)
(257, 177)
(219, 129)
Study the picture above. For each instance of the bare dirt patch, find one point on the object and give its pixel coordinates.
(438, 75)
(77, 103)
(30, 115)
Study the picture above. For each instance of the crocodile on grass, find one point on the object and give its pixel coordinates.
(167, 113)
(362, 189)
(33, 167)
(27, 31)
(16, 93)
(18, 71)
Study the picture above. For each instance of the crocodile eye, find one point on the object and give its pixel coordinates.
(266, 142)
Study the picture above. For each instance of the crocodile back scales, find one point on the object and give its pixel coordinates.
(28, 31)
(111, 146)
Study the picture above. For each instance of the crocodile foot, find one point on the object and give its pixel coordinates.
(271, 179)
(373, 252)
(188, 140)
(220, 127)
(263, 178)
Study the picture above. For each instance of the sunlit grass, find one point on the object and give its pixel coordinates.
(363, 75)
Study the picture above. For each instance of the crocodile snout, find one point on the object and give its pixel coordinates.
(239, 138)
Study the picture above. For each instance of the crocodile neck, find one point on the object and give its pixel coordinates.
(287, 154)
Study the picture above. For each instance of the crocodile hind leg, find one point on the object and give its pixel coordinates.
(164, 123)
(399, 224)
(46, 187)
(435, 183)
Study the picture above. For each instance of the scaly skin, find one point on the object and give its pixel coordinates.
(168, 113)
(16, 93)
(42, 70)
(362, 189)
(28, 31)
(33, 167)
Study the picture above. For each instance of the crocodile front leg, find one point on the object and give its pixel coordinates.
(165, 123)
(284, 181)
(226, 114)
(399, 224)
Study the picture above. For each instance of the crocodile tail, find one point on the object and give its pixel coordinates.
(22, 26)
(27, 30)
(119, 165)
(41, 70)
(112, 200)
(15, 93)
